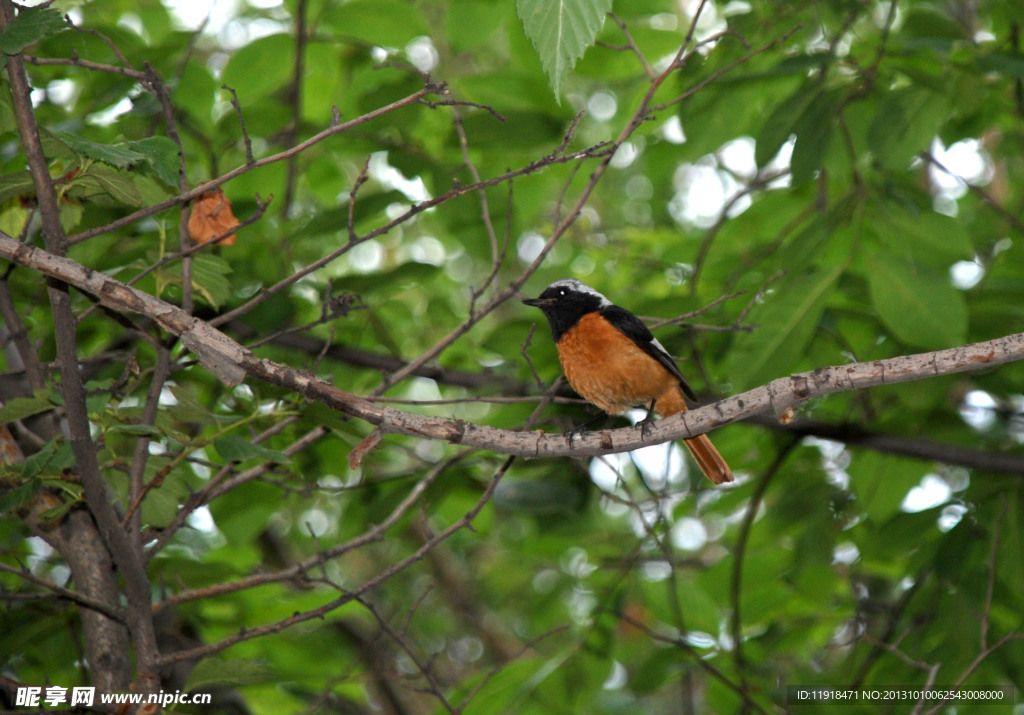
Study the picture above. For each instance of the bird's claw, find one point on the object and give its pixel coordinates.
(646, 422)
(569, 434)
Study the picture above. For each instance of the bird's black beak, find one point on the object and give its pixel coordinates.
(538, 302)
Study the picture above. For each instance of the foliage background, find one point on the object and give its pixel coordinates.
(804, 221)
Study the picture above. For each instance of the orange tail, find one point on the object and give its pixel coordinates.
(704, 453)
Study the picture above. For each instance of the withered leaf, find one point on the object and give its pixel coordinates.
(212, 217)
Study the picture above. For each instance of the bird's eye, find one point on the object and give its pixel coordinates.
(562, 291)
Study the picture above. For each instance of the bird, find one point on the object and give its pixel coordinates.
(613, 361)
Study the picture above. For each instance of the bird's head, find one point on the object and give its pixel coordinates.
(564, 302)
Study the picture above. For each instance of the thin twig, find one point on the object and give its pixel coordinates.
(250, 160)
(632, 46)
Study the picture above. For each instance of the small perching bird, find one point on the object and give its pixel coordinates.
(613, 361)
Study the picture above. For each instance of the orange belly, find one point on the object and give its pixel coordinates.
(607, 369)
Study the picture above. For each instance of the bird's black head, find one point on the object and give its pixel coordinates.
(564, 302)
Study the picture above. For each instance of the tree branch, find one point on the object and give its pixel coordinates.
(232, 362)
(137, 587)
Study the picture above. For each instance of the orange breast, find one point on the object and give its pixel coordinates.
(608, 369)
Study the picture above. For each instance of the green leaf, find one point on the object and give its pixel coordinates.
(161, 504)
(13, 217)
(541, 496)
(119, 155)
(813, 132)
(561, 31)
(162, 154)
(906, 124)
(71, 213)
(260, 68)
(472, 23)
(228, 671)
(407, 273)
(118, 185)
(8, 121)
(189, 408)
(781, 124)
(881, 481)
(917, 304)
(57, 512)
(53, 458)
(926, 235)
(335, 220)
(139, 429)
(1011, 65)
(20, 496)
(209, 278)
(386, 23)
(16, 183)
(826, 231)
(22, 407)
(784, 325)
(31, 25)
(232, 448)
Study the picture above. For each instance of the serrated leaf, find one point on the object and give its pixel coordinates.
(162, 155)
(917, 304)
(120, 186)
(31, 25)
(785, 324)
(561, 31)
(119, 155)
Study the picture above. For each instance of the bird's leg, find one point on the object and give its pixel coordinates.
(582, 429)
(646, 421)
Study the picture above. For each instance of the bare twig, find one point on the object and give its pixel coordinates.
(335, 128)
(632, 46)
(384, 574)
(246, 139)
(82, 599)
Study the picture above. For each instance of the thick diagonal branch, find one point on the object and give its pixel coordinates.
(232, 363)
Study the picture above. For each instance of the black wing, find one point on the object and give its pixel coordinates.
(634, 328)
